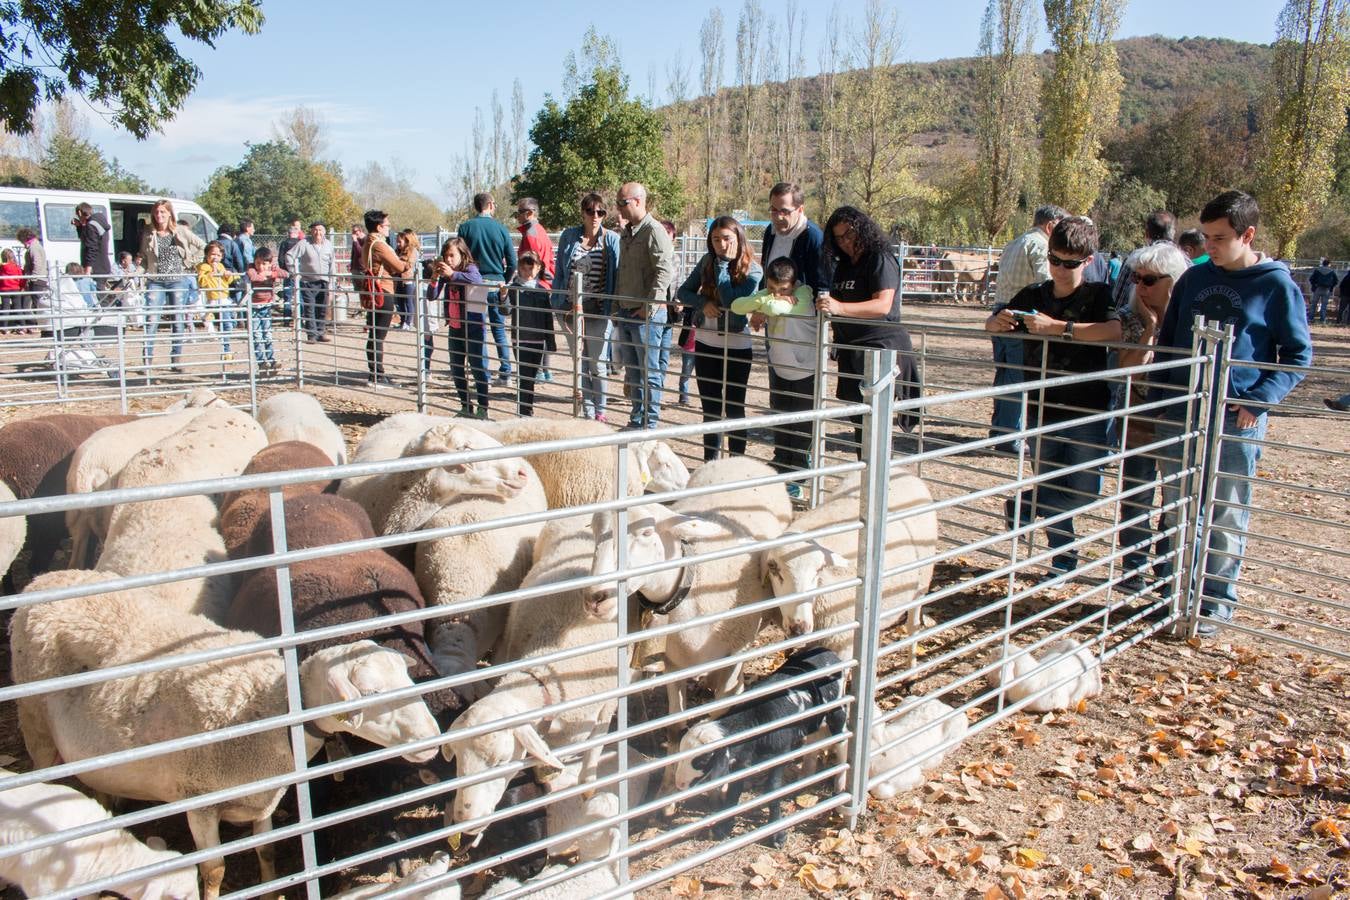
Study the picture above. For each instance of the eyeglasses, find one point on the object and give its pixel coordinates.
(782, 210)
(846, 234)
(624, 202)
(1147, 280)
(594, 212)
(1069, 264)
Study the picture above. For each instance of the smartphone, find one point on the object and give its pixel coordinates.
(1022, 313)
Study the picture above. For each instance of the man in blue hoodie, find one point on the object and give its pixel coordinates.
(1241, 286)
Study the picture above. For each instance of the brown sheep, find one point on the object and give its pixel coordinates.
(241, 510)
(34, 459)
(337, 590)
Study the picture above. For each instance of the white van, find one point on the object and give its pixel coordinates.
(49, 214)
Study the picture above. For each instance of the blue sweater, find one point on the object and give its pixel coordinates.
(1271, 327)
(808, 252)
(490, 244)
(727, 292)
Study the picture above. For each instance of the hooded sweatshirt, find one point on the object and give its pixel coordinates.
(1270, 325)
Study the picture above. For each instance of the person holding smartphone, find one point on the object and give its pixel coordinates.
(1068, 320)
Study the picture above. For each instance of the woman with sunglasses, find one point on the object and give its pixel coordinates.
(1072, 317)
(592, 250)
(1153, 271)
(864, 295)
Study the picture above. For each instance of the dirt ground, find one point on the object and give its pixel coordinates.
(1207, 768)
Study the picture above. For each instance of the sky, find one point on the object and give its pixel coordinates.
(402, 89)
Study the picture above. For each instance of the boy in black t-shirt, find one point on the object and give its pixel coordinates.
(1075, 316)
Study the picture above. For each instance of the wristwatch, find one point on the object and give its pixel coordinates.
(1068, 331)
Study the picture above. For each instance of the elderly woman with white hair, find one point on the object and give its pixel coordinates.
(1154, 271)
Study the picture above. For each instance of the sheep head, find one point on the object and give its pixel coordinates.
(705, 766)
(661, 468)
(363, 669)
(491, 750)
(794, 568)
(180, 884)
(503, 478)
(654, 535)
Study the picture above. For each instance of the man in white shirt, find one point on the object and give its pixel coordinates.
(312, 260)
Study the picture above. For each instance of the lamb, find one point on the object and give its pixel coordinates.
(13, 532)
(538, 627)
(364, 584)
(690, 527)
(804, 566)
(35, 458)
(164, 535)
(386, 439)
(241, 510)
(1070, 673)
(103, 630)
(577, 477)
(198, 398)
(914, 740)
(438, 865)
(602, 843)
(296, 416)
(764, 710)
(38, 810)
(96, 465)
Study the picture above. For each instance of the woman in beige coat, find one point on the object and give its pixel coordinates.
(170, 251)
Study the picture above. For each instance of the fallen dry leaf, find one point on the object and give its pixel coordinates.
(686, 886)
(821, 879)
(1027, 857)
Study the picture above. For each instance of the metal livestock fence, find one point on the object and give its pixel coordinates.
(993, 596)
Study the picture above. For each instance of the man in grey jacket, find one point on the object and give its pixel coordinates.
(646, 267)
(312, 260)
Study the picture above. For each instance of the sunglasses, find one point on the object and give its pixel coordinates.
(623, 202)
(594, 212)
(1069, 264)
(1147, 280)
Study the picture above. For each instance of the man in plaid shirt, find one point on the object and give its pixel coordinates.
(1023, 262)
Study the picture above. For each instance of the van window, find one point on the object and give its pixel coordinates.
(16, 214)
(197, 222)
(58, 216)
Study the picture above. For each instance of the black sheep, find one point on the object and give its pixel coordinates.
(775, 742)
(241, 510)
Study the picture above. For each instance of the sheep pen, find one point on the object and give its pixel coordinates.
(1144, 784)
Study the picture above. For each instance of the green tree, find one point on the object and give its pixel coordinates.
(121, 54)
(1005, 110)
(72, 164)
(374, 187)
(1124, 203)
(1305, 113)
(271, 186)
(1080, 102)
(598, 141)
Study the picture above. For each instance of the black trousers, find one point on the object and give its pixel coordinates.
(529, 355)
(791, 443)
(377, 328)
(848, 388)
(722, 376)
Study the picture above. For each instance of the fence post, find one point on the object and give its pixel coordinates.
(252, 356)
(624, 651)
(422, 334)
(294, 702)
(297, 326)
(510, 298)
(122, 360)
(878, 392)
(818, 402)
(578, 338)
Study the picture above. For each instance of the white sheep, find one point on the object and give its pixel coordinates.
(297, 416)
(164, 535)
(38, 810)
(1069, 666)
(13, 531)
(576, 477)
(387, 439)
(690, 527)
(96, 465)
(810, 564)
(538, 627)
(602, 843)
(438, 865)
(198, 398)
(914, 740)
(99, 631)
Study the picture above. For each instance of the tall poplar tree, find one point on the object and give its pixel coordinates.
(1080, 101)
(1305, 113)
(1006, 104)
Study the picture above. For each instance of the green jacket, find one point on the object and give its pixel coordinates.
(646, 264)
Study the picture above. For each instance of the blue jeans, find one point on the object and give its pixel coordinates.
(1069, 446)
(1321, 299)
(595, 343)
(314, 307)
(639, 349)
(262, 334)
(1136, 471)
(158, 295)
(1007, 412)
(497, 322)
(1228, 520)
